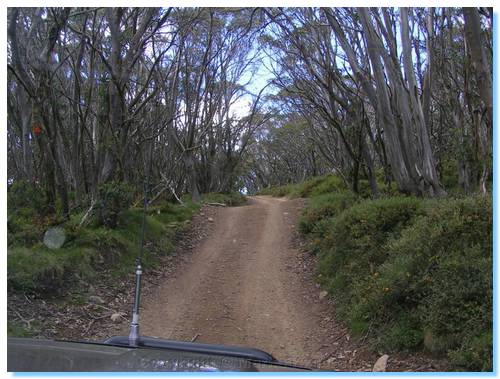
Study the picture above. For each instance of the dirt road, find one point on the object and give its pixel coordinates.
(244, 285)
(236, 277)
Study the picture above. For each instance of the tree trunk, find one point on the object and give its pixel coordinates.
(482, 72)
(192, 176)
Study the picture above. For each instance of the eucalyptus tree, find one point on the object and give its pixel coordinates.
(33, 62)
(309, 72)
(285, 153)
(214, 56)
(131, 33)
(407, 90)
(479, 67)
(395, 96)
(96, 93)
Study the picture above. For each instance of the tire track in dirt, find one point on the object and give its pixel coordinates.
(247, 283)
(239, 288)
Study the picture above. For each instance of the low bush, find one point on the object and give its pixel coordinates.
(322, 207)
(22, 194)
(309, 188)
(92, 248)
(25, 212)
(279, 191)
(417, 273)
(354, 241)
(449, 285)
(23, 227)
(322, 185)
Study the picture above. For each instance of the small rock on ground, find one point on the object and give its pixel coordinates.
(381, 364)
(115, 317)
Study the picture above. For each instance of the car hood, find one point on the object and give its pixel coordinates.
(32, 355)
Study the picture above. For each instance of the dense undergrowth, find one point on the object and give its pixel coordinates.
(408, 273)
(109, 241)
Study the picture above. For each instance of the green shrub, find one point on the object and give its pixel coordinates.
(323, 185)
(25, 207)
(22, 194)
(475, 353)
(401, 334)
(23, 229)
(278, 191)
(420, 273)
(354, 242)
(169, 213)
(323, 207)
(114, 197)
(449, 250)
(309, 188)
(353, 249)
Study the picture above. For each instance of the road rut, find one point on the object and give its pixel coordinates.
(240, 286)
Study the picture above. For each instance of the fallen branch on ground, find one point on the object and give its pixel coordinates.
(216, 204)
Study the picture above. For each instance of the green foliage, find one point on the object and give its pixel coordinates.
(353, 248)
(354, 243)
(25, 207)
(17, 329)
(114, 197)
(22, 194)
(43, 269)
(174, 214)
(450, 267)
(322, 185)
(32, 267)
(449, 177)
(476, 353)
(323, 207)
(278, 191)
(23, 227)
(416, 273)
(92, 248)
(402, 333)
(312, 187)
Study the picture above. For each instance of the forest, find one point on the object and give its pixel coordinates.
(109, 108)
(99, 95)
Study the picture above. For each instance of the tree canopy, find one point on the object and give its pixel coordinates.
(167, 95)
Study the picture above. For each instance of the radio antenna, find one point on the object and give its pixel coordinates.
(133, 337)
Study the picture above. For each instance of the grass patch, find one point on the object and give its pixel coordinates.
(18, 329)
(32, 267)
